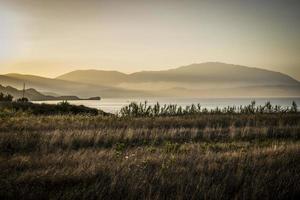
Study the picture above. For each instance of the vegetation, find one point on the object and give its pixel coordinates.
(144, 110)
(23, 99)
(5, 97)
(8, 106)
(137, 109)
(148, 152)
(205, 156)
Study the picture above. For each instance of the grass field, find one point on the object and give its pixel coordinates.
(207, 156)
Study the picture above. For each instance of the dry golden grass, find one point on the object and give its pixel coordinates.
(199, 157)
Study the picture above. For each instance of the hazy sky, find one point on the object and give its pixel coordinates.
(50, 37)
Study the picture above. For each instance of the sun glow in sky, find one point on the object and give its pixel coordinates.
(51, 37)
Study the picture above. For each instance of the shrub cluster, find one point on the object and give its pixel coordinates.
(48, 109)
(144, 110)
(5, 97)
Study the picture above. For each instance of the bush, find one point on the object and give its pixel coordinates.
(23, 99)
(144, 110)
(47, 109)
(6, 98)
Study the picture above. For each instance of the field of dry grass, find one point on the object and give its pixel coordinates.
(208, 156)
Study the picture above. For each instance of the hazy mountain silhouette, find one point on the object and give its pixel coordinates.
(61, 87)
(214, 73)
(95, 77)
(34, 95)
(31, 94)
(196, 80)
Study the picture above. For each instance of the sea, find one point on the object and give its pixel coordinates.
(113, 105)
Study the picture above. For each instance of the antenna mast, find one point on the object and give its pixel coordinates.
(23, 90)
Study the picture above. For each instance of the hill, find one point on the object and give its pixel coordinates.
(31, 94)
(60, 87)
(95, 77)
(211, 79)
(216, 73)
(196, 80)
(34, 95)
(211, 72)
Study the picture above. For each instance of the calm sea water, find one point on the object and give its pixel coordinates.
(113, 105)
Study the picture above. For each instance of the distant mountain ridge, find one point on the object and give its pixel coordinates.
(204, 72)
(94, 77)
(34, 95)
(62, 87)
(211, 79)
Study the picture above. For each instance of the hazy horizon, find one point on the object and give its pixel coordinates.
(50, 38)
(128, 73)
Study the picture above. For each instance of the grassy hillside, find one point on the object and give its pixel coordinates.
(240, 156)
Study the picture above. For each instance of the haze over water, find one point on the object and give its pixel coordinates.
(113, 105)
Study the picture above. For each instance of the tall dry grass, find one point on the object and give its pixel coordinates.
(245, 156)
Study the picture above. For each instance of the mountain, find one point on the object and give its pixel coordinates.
(31, 94)
(95, 77)
(34, 95)
(216, 73)
(208, 79)
(213, 73)
(197, 80)
(64, 87)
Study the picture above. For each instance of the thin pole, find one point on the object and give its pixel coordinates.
(23, 90)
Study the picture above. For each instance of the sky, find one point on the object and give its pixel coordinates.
(52, 37)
